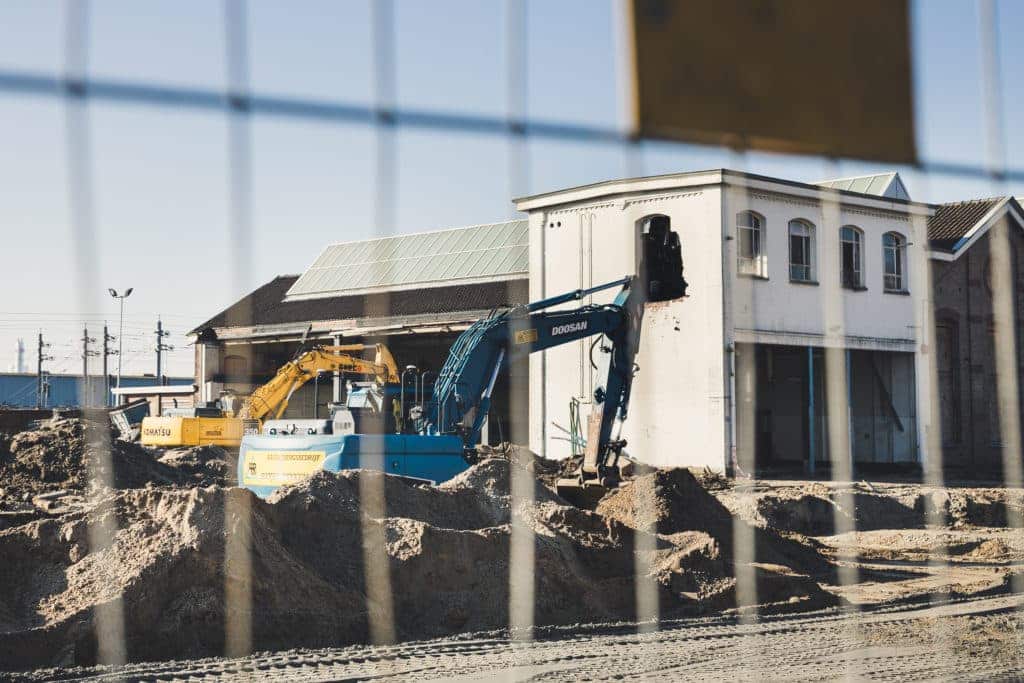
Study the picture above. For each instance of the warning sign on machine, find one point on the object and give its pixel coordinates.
(277, 468)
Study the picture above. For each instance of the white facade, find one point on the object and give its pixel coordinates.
(683, 399)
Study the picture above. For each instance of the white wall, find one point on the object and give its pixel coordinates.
(778, 305)
(677, 410)
(681, 411)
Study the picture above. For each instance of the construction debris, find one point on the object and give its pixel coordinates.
(51, 470)
(167, 567)
(183, 561)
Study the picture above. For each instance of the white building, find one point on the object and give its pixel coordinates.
(778, 271)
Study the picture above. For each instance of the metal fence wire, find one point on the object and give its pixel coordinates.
(524, 137)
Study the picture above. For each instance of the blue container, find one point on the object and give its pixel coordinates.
(266, 462)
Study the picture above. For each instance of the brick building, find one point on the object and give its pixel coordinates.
(967, 240)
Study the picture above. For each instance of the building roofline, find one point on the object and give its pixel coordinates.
(855, 177)
(1007, 205)
(322, 294)
(423, 285)
(623, 186)
(433, 231)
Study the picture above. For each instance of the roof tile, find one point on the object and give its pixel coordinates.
(953, 221)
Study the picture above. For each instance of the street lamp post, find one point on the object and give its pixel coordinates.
(120, 330)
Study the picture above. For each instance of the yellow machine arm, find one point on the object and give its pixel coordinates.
(273, 397)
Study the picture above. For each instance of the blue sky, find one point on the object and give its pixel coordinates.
(161, 177)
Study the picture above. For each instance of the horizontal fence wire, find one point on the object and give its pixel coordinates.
(134, 93)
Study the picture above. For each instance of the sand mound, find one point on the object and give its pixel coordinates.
(73, 454)
(202, 465)
(991, 549)
(447, 551)
(823, 511)
(669, 502)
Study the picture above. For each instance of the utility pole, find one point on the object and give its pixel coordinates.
(86, 389)
(120, 332)
(107, 352)
(160, 348)
(40, 359)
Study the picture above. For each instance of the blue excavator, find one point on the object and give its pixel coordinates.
(440, 435)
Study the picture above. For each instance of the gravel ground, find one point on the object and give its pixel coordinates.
(867, 580)
(977, 639)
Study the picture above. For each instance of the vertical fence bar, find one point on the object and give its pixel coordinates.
(1005, 265)
(376, 562)
(521, 561)
(238, 504)
(837, 409)
(742, 312)
(109, 618)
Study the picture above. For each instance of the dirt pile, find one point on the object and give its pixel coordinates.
(447, 553)
(202, 465)
(675, 506)
(815, 509)
(76, 454)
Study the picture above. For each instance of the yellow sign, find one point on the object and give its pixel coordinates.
(805, 76)
(278, 468)
(526, 336)
(192, 431)
(161, 431)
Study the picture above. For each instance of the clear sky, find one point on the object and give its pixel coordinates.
(161, 181)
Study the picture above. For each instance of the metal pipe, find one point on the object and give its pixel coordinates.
(423, 386)
(811, 441)
(577, 294)
(401, 395)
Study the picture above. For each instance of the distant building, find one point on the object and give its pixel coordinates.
(415, 293)
(19, 357)
(20, 390)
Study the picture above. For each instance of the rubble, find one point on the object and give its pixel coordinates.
(53, 469)
(202, 465)
(816, 509)
(162, 547)
(447, 550)
(77, 454)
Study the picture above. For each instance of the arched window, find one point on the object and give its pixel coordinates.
(894, 261)
(801, 251)
(750, 253)
(851, 257)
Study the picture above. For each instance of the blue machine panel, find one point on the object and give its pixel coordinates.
(267, 462)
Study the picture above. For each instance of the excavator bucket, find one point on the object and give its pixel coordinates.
(581, 494)
(589, 483)
(661, 264)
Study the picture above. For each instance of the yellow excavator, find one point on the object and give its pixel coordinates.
(220, 427)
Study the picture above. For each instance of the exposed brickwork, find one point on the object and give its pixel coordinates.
(965, 351)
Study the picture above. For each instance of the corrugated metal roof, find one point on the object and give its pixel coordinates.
(882, 185)
(265, 306)
(478, 253)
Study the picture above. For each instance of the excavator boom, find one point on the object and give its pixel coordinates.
(272, 398)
